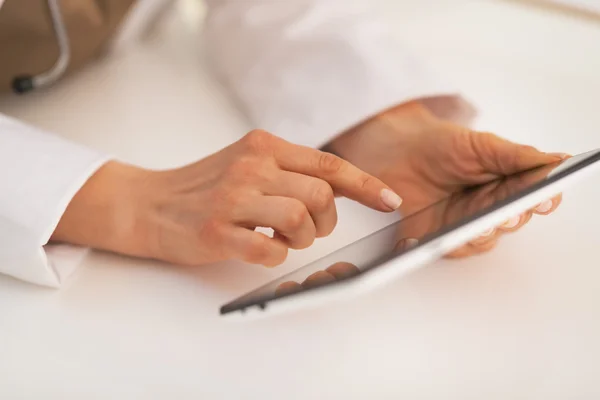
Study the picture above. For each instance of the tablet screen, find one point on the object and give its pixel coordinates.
(413, 230)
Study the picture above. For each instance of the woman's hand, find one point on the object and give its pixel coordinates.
(208, 211)
(429, 159)
(461, 205)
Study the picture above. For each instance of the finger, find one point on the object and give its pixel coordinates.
(515, 223)
(469, 249)
(343, 177)
(511, 224)
(482, 243)
(316, 194)
(485, 247)
(488, 236)
(285, 215)
(548, 206)
(406, 244)
(499, 156)
(254, 247)
(319, 278)
(562, 156)
(461, 252)
(288, 288)
(343, 270)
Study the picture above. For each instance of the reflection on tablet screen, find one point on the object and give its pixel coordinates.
(398, 238)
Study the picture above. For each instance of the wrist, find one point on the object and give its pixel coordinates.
(105, 212)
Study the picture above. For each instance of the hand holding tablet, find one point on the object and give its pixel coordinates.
(454, 223)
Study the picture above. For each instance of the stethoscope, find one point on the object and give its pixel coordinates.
(23, 84)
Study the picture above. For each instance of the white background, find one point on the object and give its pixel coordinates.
(518, 323)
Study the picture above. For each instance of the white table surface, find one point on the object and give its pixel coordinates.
(518, 323)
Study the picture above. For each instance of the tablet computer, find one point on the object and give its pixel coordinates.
(415, 240)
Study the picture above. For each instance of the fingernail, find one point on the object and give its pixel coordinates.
(406, 244)
(562, 156)
(390, 199)
(488, 232)
(511, 223)
(409, 243)
(544, 207)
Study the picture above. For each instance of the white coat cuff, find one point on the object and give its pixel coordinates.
(40, 174)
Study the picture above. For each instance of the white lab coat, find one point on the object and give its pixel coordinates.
(305, 70)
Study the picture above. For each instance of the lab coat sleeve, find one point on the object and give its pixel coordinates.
(39, 175)
(308, 70)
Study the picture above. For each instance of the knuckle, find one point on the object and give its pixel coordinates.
(222, 198)
(296, 215)
(329, 163)
(258, 141)
(231, 202)
(246, 170)
(252, 171)
(210, 231)
(322, 196)
(241, 167)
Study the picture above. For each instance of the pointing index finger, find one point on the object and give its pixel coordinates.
(343, 177)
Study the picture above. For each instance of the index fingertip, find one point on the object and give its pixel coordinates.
(560, 156)
(390, 199)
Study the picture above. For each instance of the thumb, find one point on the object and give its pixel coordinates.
(503, 157)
